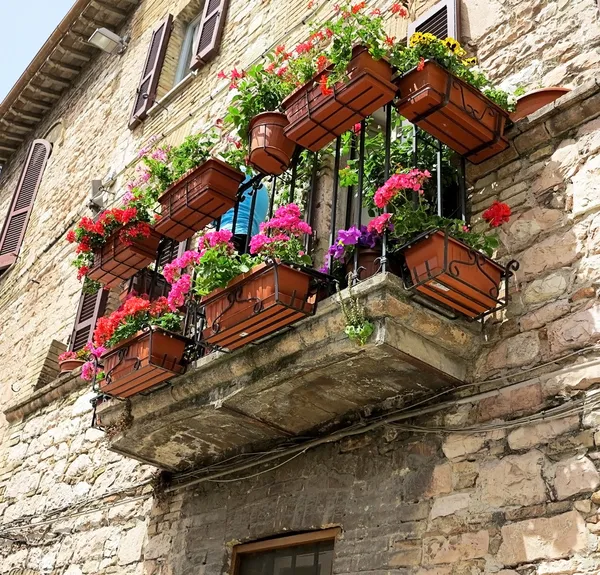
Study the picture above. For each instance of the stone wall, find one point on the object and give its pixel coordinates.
(428, 505)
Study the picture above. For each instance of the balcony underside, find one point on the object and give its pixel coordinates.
(300, 382)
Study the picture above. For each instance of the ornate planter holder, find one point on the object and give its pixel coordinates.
(256, 304)
(116, 262)
(143, 361)
(270, 150)
(69, 365)
(452, 111)
(198, 198)
(449, 271)
(316, 120)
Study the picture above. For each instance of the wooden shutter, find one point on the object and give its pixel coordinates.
(442, 20)
(208, 36)
(22, 202)
(91, 307)
(146, 93)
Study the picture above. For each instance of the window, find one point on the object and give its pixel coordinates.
(304, 554)
(187, 49)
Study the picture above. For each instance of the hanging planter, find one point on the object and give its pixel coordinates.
(200, 197)
(270, 150)
(256, 304)
(69, 365)
(143, 361)
(452, 111)
(117, 261)
(533, 101)
(369, 263)
(316, 119)
(449, 271)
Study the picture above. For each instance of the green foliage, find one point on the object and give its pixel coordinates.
(140, 321)
(358, 327)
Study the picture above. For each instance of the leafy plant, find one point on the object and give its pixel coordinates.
(358, 327)
(449, 54)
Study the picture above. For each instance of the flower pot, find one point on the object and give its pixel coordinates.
(143, 361)
(198, 198)
(116, 261)
(533, 101)
(69, 365)
(270, 150)
(463, 278)
(316, 119)
(256, 304)
(453, 111)
(369, 263)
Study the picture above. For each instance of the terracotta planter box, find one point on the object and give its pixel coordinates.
(533, 101)
(143, 361)
(454, 112)
(464, 279)
(316, 120)
(116, 262)
(200, 197)
(69, 365)
(270, 150)
(256, 304)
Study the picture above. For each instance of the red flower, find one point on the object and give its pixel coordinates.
(219, 122)
(497, 214)
(281, 72)
(303, 47)
(328, 32)
(399, 10)
(237, 74)
(71, 236)
(379, 224)
(221, 75)
(82, 272)
(310, 4)
(279, 50)
(233, 86)
(376, 12)
(389, 40)
(322, 63)
(421, 64)
(358, 7)
(356, 128)
(270, 67)
(323, 85)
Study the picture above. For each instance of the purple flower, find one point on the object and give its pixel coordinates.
(349, 237)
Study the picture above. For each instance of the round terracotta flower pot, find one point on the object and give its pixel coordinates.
(369, 263)
(70, 364)
(533, 101)
(270, 150)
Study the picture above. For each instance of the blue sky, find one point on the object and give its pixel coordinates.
(24, 27)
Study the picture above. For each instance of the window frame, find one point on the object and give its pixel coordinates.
(273, 544)
(189, 41)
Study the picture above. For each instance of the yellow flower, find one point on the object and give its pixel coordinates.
(452, 44)
(470, 62)
(416, 38)
(428, 38)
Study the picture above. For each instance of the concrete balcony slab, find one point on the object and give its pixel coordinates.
(297, 383)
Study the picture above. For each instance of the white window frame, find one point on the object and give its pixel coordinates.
(187, 48)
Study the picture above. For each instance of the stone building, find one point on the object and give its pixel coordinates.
(339, 467)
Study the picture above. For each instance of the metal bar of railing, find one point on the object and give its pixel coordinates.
(350, 189)
(359, 195)
(310, 202)
(440, 211)
(334, 199)
(254, 193)
(462, 189)
(386, 175)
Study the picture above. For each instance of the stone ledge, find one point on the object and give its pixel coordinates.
(303, 381)
(61, 386)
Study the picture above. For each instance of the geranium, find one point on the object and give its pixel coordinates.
(408, 180)
(399, 10)
(380, 223)
(281, 237)
(497, 214)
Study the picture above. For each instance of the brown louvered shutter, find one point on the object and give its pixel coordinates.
(208, 36)
(91, 307)
(146, 93)
(442, 20)
(22, 202)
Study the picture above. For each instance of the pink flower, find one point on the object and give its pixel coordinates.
(379, 224)
(87, 371)
(172, 271)
(179, 290)
(159, 154)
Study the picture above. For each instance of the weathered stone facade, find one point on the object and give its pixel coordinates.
(505, 497)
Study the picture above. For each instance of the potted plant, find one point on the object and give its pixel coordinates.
(444, 92)
(530, 102)
(367, 245)
(141, 347)
(192, 186)
(446, 260)
(70, 360)
(119, 243)
(254, 111)
(247, 297)
(344, 76)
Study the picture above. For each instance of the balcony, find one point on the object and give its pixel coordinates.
(298, 383)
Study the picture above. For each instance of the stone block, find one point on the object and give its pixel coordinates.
(457, 445)
(577, 330)
(464, 474)
(406, 554)
(450, 504)
(574, 116)
(574, 476)
(130, 550)
(440, 482)
(532, 138)
(521, 349)
(512, 480)
(510, 401)
(455, 548)
(544, 315)
(540, 433)
(543, 539)
(556, 251)
(547, 288)
(580, 376)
